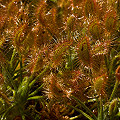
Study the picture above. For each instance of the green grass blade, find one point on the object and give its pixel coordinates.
(36, 91)
(6, 112)
(80, 111)
(85, 107)
(21, 75)
(41, 74)
(35, 98)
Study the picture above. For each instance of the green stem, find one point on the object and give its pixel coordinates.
(21, 68)
(100, 115)
(12, 59)
(114, 90)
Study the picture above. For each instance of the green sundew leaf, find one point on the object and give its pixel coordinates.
(110, 23)
(83, 113)
(35, 98)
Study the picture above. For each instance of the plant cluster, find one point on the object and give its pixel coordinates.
(59, 59)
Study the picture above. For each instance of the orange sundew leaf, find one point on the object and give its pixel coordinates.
(78, 12)
(117, 73)
(28, 42)
(110, 20)
(101, 10)
(99, 85)
(84, 52)
(58, 17)
(1, 79)
(12, 8)
(2, 59)
(59, 52)
(38, 64)
(55, 88)
(95, 30)
(101, 47)
(113, 107)
(97, 62)
(22, 16)
(41, 12)
(18, 39)
(71, 22)
(90, 7)
(3, 20)
(43, 37)
(67, 6)
(77, 2)
(79, 85)
(47, 20)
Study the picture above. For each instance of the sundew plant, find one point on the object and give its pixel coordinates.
(59, 59)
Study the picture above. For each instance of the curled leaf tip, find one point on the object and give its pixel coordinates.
(117, 73)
